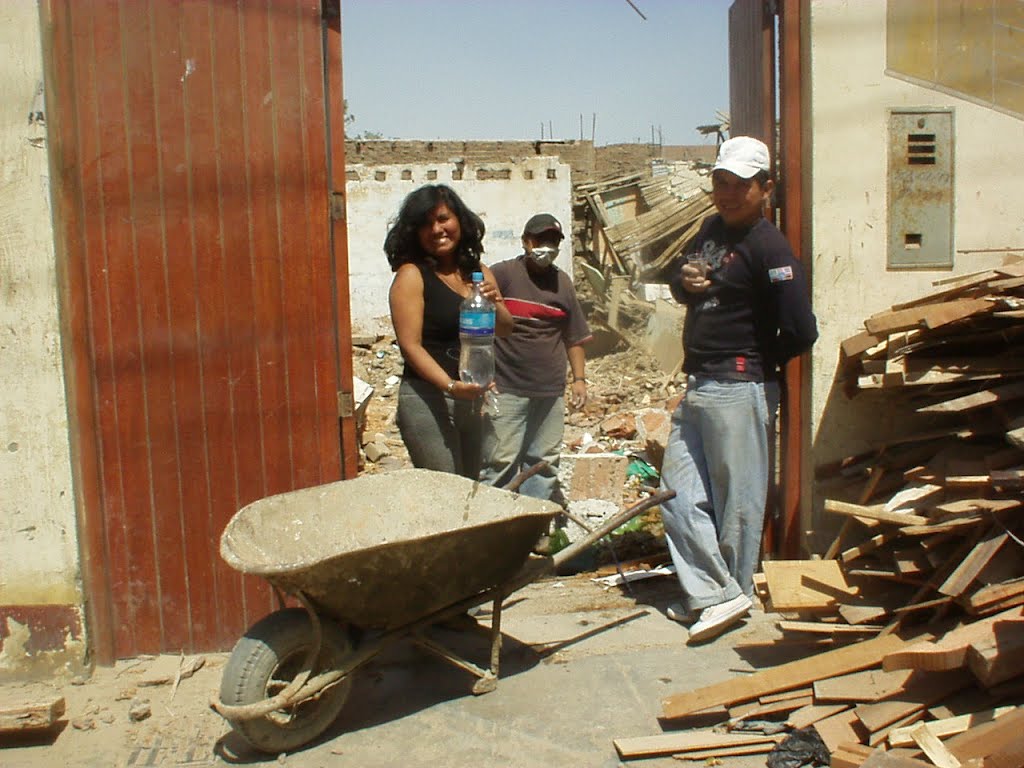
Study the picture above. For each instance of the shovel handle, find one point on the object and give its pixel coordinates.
(609, 525)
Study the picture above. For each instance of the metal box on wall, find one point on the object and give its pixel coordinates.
(920, 189)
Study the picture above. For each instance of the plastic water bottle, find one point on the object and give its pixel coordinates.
(476, 336)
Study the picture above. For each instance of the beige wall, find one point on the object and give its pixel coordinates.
(375, 193)
(39, 576)
(850, 94)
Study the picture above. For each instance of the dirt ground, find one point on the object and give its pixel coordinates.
(552, 628)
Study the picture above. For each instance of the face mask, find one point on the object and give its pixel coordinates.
(544, 255)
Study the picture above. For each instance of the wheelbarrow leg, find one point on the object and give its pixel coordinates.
(489, 682)
(487, 678)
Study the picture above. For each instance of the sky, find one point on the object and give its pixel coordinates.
(510, 69)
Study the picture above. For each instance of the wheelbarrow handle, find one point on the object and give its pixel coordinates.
(613, 522)
(522, 477)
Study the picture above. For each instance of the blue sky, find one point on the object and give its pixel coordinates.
(502, 69)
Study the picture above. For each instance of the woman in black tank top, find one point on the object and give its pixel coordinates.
(433, 248)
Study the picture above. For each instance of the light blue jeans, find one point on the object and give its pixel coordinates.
(717, 462)
(439, 432)
(517, 434)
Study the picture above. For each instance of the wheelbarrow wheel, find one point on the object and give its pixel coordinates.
(265, 660)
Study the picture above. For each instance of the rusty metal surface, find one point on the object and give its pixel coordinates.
(381, 551)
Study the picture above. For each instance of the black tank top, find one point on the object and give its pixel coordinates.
(440, 324)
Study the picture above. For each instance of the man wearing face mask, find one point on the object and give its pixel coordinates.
(524, 422)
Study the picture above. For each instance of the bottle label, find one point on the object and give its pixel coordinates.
(476, 324)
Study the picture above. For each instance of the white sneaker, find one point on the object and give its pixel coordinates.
(677, 612)
(715, 619)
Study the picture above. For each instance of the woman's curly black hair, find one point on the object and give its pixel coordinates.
(402, 244)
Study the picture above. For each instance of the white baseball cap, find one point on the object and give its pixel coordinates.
(743, 155)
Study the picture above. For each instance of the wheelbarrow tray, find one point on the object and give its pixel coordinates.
(382, 551)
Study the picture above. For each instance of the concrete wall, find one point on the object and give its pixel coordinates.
(375, 193)
(850, 95)
(40, 593)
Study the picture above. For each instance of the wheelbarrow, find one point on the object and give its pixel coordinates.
(371, 561)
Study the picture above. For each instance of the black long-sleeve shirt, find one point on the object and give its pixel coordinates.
(756, 314)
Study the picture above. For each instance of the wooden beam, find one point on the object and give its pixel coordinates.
(783, 677)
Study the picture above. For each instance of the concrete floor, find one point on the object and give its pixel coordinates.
(581, 665)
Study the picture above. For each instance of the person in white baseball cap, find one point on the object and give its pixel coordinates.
(743, 155)
(747, 313)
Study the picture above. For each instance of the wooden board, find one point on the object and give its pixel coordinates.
(794, 584)
(714, 754)
(812, 713)
(929, 316)
(950, 650)
(873, 513)
(30, 716)
(783, 677)
(840, 729)
(997, 658)
(969, 568)
(866, 685)
(933, 748)
(948, 726)
(919, 693)
(670, 743)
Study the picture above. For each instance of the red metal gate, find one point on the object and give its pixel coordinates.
(191, 156)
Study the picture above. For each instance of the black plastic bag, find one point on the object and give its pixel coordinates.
(800, 748)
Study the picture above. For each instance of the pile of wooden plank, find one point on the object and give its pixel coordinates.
(911, 624)
(947, 700)
(645, 222)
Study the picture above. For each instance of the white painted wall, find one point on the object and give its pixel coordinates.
(503, 204)
(849, 97)
(38, 538)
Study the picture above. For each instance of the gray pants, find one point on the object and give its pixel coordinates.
(439, 432)
(717, 462)
(518, 433)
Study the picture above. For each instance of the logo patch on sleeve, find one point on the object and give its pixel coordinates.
(780, 274)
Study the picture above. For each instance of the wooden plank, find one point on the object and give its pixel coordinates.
(919, 693)
(783, 677)
(965, 573)
(878, 738)
(670, 743)
(867, 685)
(997, 658)
(949, 726)
(869, 546)
(993, 593)
(796, 693)
(988, 738)
(929, 316)
(933, 748)
(790, 591)
(850, 755)
(757, 711)
(33, 716)
(862, 342)
(975, 506)
(873, 513)
(822, 628)
(980, 399)
(734, 751)
(812, 713)
(839, 729)
(1008, 755)
(950, 650)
